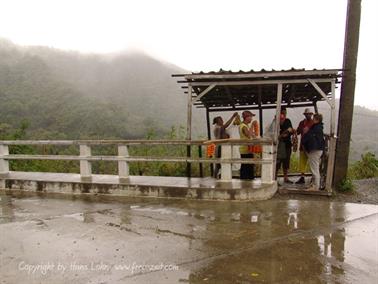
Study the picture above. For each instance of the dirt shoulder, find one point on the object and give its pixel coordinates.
(365, 192)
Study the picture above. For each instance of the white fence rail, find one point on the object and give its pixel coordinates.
(123, 158)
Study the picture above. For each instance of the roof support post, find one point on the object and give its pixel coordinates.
(208, 124)
(260, 110)
(278, 112)
(209, 136)
(331, 144)
(333, 109)
(189, 131)
(277, 130)
(315, 103)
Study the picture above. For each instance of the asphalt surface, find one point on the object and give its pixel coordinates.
(45, 240)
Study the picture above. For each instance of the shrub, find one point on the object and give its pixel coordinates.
(367, 167)
(346, 185)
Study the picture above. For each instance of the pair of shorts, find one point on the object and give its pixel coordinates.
(286, 161)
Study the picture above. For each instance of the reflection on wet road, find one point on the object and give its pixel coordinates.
(164, 241)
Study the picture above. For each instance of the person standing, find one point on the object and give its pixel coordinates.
(302, 129)
(286, 130)
(247, 171)
(314, 143)
(233, 133)
(219, 132)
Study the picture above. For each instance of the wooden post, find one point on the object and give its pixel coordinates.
(208, 124)
(4, 164)
(332, 143)
(209, 137)
(123, 166)
(278, 112)
(331, 163)
(200, 164)
(348, 83)
(85, 165)
(189, 131)
(277, 130)
(267, 170)
(333, 110)
(260, 111)
(226, 171)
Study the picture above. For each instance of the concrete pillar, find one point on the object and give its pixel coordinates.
(123, 166)
(226, 171)
(85, 165)
(4, 164)
(267, 170)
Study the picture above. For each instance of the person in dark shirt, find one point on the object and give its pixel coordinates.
(284, 146)
(302, 129)
(314, 143)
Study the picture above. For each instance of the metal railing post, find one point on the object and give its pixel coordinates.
(85, 165)
(123, 166)
(4, 164)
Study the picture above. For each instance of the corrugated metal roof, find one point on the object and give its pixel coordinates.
(255, 89)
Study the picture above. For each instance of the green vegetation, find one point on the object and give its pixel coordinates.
(101, 167)
(346, 185)
(367, 167)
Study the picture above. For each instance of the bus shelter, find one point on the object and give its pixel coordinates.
(224, 91)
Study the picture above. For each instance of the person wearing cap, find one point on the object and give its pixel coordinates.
(219, 132)
(314, 144)
(286, 130)
(302, 129)
(247, 171)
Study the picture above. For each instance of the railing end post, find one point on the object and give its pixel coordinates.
(4, 164)
(85, 165)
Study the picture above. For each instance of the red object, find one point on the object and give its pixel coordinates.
(210, 150)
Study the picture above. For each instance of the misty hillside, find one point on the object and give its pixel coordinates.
(65, 94)
(122, 95)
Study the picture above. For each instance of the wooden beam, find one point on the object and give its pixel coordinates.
(137, 159)
(259, 94)
(101, 142)
(333, 110)
(208, 89)
(320, 91)
(259, 82)
(278, 112)
(274, 74)
(277, 130)
(189, 131)
(237, 108)
(209, 137)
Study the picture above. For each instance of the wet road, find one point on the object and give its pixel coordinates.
(46, 240)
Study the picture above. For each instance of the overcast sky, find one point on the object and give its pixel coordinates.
(204, 35)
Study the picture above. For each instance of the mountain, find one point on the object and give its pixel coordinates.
(122, 95)
(66, 94)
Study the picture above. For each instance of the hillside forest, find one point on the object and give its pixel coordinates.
(47, 93)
